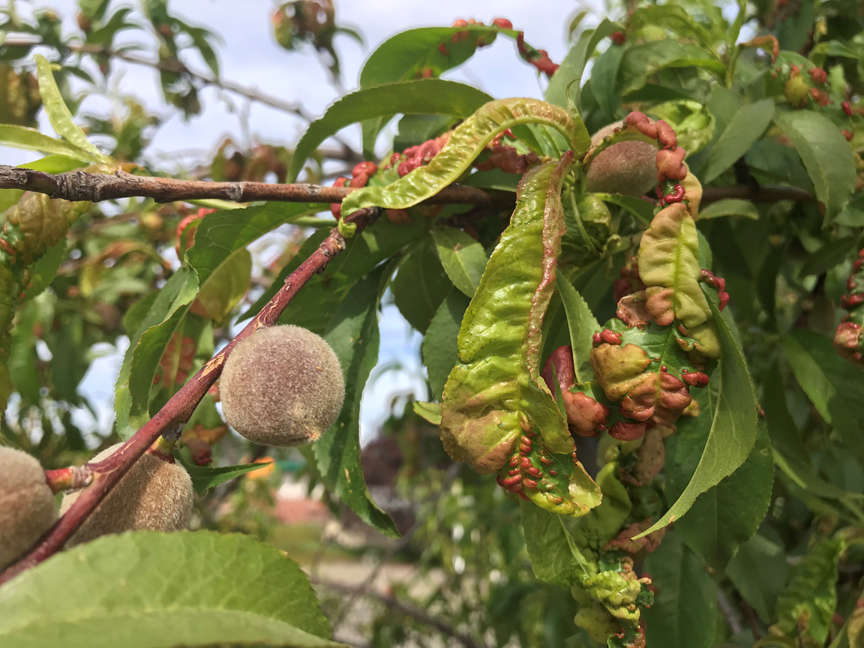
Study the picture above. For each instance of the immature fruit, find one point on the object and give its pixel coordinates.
(26, 504)
(628, 167)
(281, 386)
(153, 495)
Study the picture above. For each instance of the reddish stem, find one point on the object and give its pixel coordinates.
(71, 478)
(180, 406)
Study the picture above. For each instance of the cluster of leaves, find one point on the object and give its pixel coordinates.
(496, 295)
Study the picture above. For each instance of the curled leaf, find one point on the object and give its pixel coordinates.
(466, 142)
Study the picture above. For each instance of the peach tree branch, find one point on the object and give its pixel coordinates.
(95, 187)
(178, 409)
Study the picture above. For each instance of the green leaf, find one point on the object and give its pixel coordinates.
(672, 17)
(222, 233)
(424, 96)
(415, 53)
(31, 139)
(462, 257)
(353, 335)
(59, 114)
(439, 349)
(730, 512)
(430, 412)
(745, 127)
(206, 477)
(420, 285)
(685, 605)
(313, 306)
(403, 56)
(564, 86)
(148, 589)
(641, 61)
(42, 272)
(733, 428)
(834, 385)
(730, 207)
(759, 572)
(582, 325)
(226, 286)
(132, 391)
(807, 605)
(825, 153)
(603, 85)
(550, 549)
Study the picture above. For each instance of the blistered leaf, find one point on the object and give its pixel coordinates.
(465, 143)
(807, 605)
(424, 96)
(494, 399)
(669, 268)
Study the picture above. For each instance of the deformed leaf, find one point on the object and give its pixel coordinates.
(807, 605)
(423, 96)
(148, 589)
(669, 268)
(496, 406)
(465, 143)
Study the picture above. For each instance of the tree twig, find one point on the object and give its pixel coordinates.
(95, 187)
(405, 609)
(180, 406)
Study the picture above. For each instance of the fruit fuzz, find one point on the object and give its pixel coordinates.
(282, 386)
(26, 504)
(155, 495)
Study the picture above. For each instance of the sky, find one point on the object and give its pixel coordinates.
(250, 56)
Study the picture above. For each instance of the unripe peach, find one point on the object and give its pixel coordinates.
(27, 507)
(282, 386)
(627, 167)
(154, 495)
